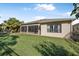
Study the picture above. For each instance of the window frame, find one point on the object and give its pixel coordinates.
(59, 28)
(24, 28)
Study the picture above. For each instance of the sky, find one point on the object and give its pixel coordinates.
(34, 11)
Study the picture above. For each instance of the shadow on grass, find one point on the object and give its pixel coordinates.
(8, 51)
(5, 43)
(50, 49)
(73, 45)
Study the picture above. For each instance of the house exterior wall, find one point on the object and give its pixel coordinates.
(65, 30)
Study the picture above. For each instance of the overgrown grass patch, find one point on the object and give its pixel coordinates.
(33, 45)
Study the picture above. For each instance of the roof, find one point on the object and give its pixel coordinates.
(50, 20)
(75, 22)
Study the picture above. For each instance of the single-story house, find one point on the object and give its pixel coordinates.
(59, 27)
(75, 25)
(75, 33)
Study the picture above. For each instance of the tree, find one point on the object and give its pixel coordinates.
(0, 27)
(12, 24)
(7, 40)
(75, 11)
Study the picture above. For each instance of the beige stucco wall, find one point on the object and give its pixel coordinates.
(66, 28)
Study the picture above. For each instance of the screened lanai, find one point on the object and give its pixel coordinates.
(33, 29)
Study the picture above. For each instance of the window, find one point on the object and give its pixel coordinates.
(54, 28)
(24, 29)
(33, 28)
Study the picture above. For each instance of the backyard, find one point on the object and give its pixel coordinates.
(33, 45)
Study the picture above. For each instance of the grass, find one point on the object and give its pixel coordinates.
(31, 45)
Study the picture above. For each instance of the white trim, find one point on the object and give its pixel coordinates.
(75, 22)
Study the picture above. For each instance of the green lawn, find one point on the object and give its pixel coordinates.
(30, 45)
